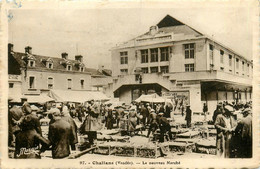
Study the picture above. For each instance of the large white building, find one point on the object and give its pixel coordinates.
(177, 61)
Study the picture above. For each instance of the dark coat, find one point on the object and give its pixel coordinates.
(61, 137)
(188, 114)
(215, 114)
(163, 122)
(74, 127)
(244, 139)
(15, 114)
(26, 108)
(36, 123)
(167, 113)
(91, 123)
(144, 112)
(27, 144)
(109, 120)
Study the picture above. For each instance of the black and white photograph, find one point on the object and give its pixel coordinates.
(129, 84)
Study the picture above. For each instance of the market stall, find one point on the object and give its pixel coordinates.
(77, 96)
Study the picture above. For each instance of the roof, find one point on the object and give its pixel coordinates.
(169, 21)
(107, 72)
(179, 29)
(59, 64)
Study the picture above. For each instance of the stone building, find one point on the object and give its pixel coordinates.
(178, 62)
(32, 74)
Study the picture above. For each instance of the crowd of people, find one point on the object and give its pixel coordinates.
(234, 137)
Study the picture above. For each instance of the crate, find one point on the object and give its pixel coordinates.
(181, 147)
(102, 149)
(122, 150)
(206, 147)
(147, 152)
(189, 134)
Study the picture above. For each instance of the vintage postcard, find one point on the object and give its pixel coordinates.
(129, 84)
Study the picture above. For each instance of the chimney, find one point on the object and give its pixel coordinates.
(153, 30)
(10, 47)
(64, 55)
(79, 58)
(28, 49)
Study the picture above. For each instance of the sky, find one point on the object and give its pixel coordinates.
(93, 31)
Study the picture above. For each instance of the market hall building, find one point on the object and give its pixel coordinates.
(176, 61)
(34, 76)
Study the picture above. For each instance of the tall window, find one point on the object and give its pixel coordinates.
(144, 56)
(49, 65)
(154, 55)
(237, 63)
(69, 68)
(211, 54)
(123, 58)
(144, 69)
(69, 83)
(31, 82)
(124, 71)
(165, 69)
(11, 85)
(221, 56)
(82, 83)
(189, 50)
(81, 69)
(230, 60)
(154, 69)
(50, 82)
(31, 63)
(243, 66)
(189, 67)
(164, 54)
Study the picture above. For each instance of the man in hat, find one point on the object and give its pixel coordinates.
(132, 121)
(14, 115)
(219, 110)
(91, 124)
(66, 117)
(153, 123)
(27, 141)
(144, 112)
(205, 111)
(188, 116)
(60, 136)
(225, 125)
(27, 110)
(244, 130)
(164, 126)
(26, 107)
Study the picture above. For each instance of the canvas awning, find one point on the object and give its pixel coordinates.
(30, 98)
(76, 96)
(155, 98)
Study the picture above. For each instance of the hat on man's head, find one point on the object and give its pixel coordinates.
(161, 113)
(229, 108)
(23, 99)
(246, 110)
(152, 110)
(56, 112)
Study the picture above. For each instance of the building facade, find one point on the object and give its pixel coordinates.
(178, 62)
(31, 74)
